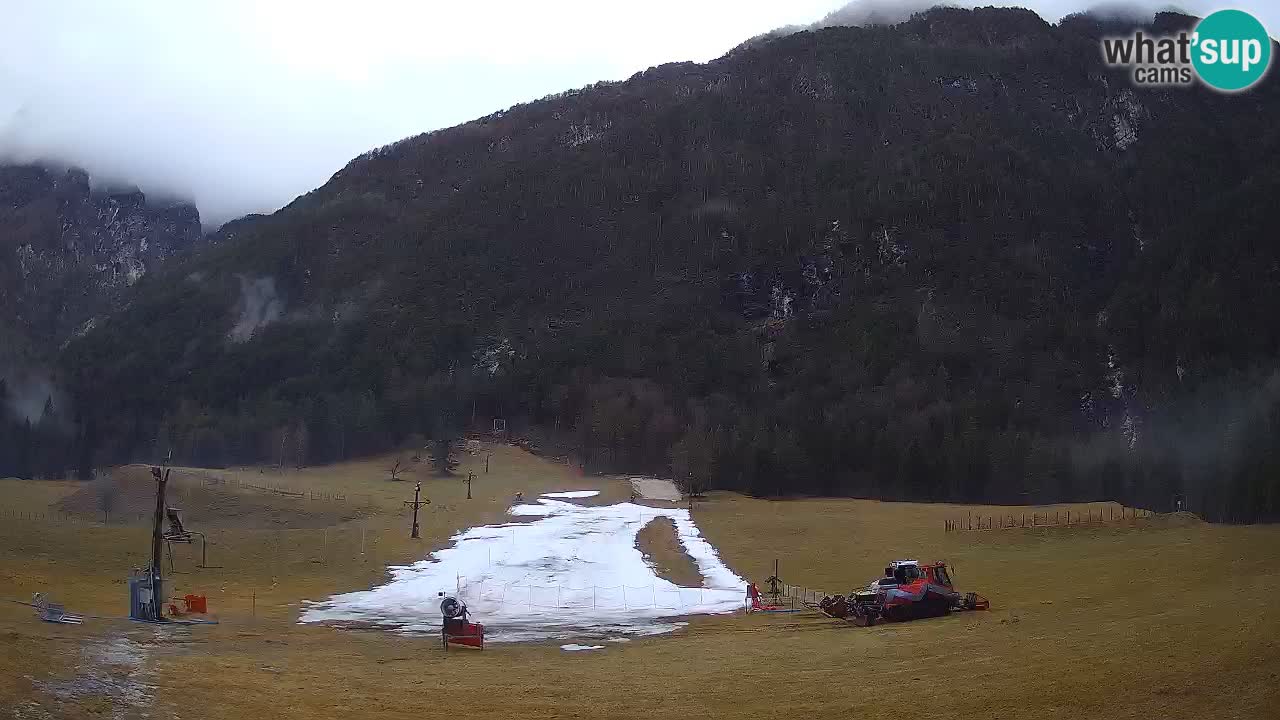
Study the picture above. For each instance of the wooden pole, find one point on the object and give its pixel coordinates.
(417, 490)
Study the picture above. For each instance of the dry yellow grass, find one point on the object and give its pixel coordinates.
(1118, 622)
(659, 542)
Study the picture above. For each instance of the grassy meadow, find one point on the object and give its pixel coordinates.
(1166, 617)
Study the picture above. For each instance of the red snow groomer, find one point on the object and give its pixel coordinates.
(907, 591)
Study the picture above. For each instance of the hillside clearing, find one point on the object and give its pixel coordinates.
(1137, 621)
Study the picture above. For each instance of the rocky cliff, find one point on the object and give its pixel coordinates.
(68, 250)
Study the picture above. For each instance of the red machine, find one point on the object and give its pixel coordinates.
(456, 629)
(907, 591)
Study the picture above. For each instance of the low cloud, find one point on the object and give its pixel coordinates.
(259, 306)
(876, 12)
(27, 392)
(241, 106)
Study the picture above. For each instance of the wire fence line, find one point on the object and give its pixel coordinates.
(111, 516)
(66, 518)
(1058, 518)
(212, 481)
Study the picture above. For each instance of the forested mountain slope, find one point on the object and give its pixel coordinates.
(956, 258)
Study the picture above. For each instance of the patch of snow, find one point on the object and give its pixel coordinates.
(574, 647)
(573, 573)
(617, 640)
(571, 494)
(530, 510)
(655, 489)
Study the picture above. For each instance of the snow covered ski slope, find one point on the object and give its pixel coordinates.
(573, 572)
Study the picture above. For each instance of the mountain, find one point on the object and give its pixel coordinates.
(956, 258)
(68, 254)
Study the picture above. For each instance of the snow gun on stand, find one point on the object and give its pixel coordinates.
(757, 603)
(456, 629)
(908, 591)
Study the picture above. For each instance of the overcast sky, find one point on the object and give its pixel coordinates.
(241, 105)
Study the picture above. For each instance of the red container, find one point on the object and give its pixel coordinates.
(461, 632)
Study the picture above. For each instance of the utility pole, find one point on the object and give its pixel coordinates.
(470, 477)
(157, 540)
(417, 489)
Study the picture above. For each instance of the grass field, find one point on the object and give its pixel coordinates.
(1161, 618)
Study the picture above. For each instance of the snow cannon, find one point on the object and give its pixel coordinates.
(455, 628)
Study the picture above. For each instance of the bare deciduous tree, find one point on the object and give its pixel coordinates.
(106, 491)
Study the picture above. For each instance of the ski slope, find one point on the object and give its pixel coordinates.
(567, 571)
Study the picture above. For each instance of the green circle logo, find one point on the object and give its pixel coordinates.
(1230, 50)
